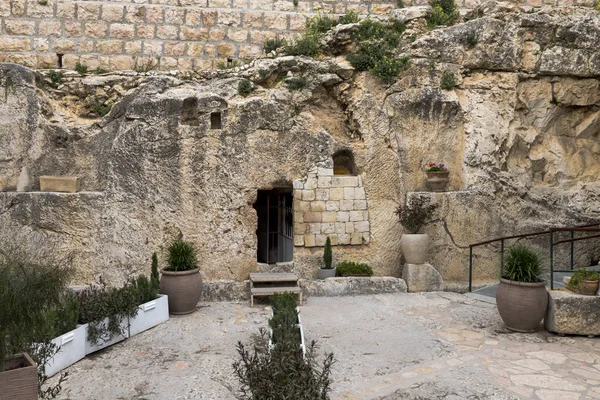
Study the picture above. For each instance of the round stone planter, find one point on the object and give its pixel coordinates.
(521, 305)
(437, 181)
(325, 273)
(415, 247)
(183, 288)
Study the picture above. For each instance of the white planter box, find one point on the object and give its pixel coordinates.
(71, 347)
(92, 347)
(149, 315)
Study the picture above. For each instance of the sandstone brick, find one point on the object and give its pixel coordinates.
(174, 16)
(324, 171)
(195, 49)
(154, 14)
(328, 228)
(121, 63)
(360, 204)
(284, 5)
(359, 8)
(329, 216)
(69, 184)
(72, 29)
(362, 226)
(346, 205)
(317, 206)
(260, 5)
(310, 241)
(336, 193)
(298, 216)
(145, 31)
(70, 60)
(217, 34)
(356, 238)
(276, 21)
(356, 216)
(37, 10)
(4, 12)
(252, 19)
(88, 12)
(46, 61)
(174, 48)
(168, 63)
(320, 240)
(304, 206)
(122, 31)
(28, 60)
(311, 183)
(297, 22)
(349, 227)
(167, 32)
(312, 217)
(203, 63)
(343, 238)
(63, 46)
(230, 18)
(49, 28)
(226, 49)
(85, 46)
(152, 47)
(134, 47)
(237, 35)
(18, 8)
(322, 194)
(344, 181)
(109, 46)
(195, 34)
(18, 27)
(193, 17)
(219, 3)
(42, 45)
(314, 227)
(343, 216)
(65, 10)
(324, 182)
(359, 193)
(113, 12)
(300, 229)
(349, 193)
(260, 37)
(96, 29)
(326, 8)
(239, 4)
(134, 14)
(185, 63)
(209, 18)
(308, 195)
(91, 61)
(210, 50)
(250, 51)
(381, 8)
(339, 8)
(332, 206)
(298, 240)
(340, 227)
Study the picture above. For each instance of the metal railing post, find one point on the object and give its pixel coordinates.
(501, 256)
(551, 260)
(470, 268)
(572, 249)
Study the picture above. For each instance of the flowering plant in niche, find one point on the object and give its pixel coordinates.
(433, 167)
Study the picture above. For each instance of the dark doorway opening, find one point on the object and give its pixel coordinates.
(275, 230)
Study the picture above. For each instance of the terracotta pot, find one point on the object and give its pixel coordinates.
(325, 273)
(437, 181)
(183, 288)
(19, 379)
(522, 306)
(415, 247)
(587, 287)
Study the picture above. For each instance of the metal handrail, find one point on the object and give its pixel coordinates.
(572, 230)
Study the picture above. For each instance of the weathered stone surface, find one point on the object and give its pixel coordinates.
(422, 278)
(225, 290)
(3, 183)
(69, 184)
(572, 314)
(409, 13)
(24, 181)
(348, 286)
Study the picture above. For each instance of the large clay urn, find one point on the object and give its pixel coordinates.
(183, 288)
(415, 247)
(522, 306)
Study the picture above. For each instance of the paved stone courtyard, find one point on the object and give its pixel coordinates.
(394, 346)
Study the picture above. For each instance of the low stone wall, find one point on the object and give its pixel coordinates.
(572, 314)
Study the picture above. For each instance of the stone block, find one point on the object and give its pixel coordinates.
(69, 184)
(3, 183)
(209, 18)
(320, 240)
(329, 216)
(360, 204)
(324, 181)
(154, 14)
(298, 216)
(336, 193)
(224, 49)
(356, 239)
(346, 205)
(349, 227)
(250, 51)
(24, 181)
(328, 228)
(279, 22)
(332, 206)
(314, 228)
(21, 28)
(348, 193)
(309, 241)
(362, 226)
(300, 228)
(304, 205)
(346, 286)
(122, 31)
(572, 314)
(10, 44)
(167, 32)
(340, 227)
(298, 240)
(312, 217)
(343, 216)
(322, 194)
(112, 12)
(308, 195)
(356, 216)
(311, 183)
(229, 18)
(252, 19)
(146, 31)
(343, 238)
(324, 171)
(334, 239)
(318, 206)
(422, 278)
(359, 193)
(344, 181)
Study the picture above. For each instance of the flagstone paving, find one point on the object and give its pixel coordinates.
(395, 346)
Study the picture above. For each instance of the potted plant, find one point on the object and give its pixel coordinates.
(437, 177)
(327, 271)
(28, 289)
(413, 216)
(181, 279)
(584, 281)
(522, 297)
(351, 268)
(153, 307)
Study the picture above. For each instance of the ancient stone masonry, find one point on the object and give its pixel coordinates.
(164, 34)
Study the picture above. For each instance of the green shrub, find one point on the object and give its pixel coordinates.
(296, 83)
(367, 56)
(306, 45)
(64, 317)
(582, 275)
(472, 39)
(82, 69)
(56, 78)
(101, 109)
(285, 319)
(144, 289)
(319, 24)
(228, 65)
(400, 3)
(448, 80)
(415, 214)
(245, 87)
(154, 271)
(181, 256)
(443, 12)
(273, 44)
(350, 17)
(346, 268)
(522, 265)
(100, 70)
(327, 254)
(387, 69)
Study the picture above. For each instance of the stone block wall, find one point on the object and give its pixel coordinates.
(163, 34)
(330, 205)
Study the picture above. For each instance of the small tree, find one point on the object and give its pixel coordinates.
(154, 274)
(327, 254)
(415, 214)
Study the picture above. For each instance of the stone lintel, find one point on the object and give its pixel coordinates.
(69, 184)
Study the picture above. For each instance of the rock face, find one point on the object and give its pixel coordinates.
(177, 156)
(422, 278)
(572, 314)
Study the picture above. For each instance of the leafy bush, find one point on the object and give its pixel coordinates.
(367, 56)
(400, 3)
(144, 289)
(285, 319)
(443, 12)
(100, 70)
(181, 256)
(298, 83)
(64, 317)
(319, 24)
(154, 271)
(82, 69)
(350, 17)
(327, 254)
(245, 87)
(522, 265)
(472, 39)
(387, 69)
(414, 215)
(346, 268)
(230, 64)
(56, 78)
(273, 44)
(582, 275)
(448, 80)
(306, 45)
(101, 109)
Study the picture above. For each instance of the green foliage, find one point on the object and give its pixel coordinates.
(387, 69)
(100, 70)
(56, 78)
(144, 289)
(597, 8)
(306, 45)
(62, 318)
(368, 56)
(273, 44)
(400, 4)
(82, 69)
(245, 87)
(522, 265)
(319, 24)
(349, 18)
(443, 12)
(472, 39)
(581, 275)
(448, 80)
(101, 109)
(154, 271)
(43, 2)
(295, 3)
(181, 256)
(296, 83)
(228, 64)
(145, 64)
(346, 268)
(415, 214)
(285, 319)
(327, 254)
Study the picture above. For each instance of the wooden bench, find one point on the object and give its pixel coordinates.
(270, 283)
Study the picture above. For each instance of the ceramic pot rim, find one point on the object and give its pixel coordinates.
(192, 271)
(526, 284)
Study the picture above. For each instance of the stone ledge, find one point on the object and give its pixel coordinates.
(348, 286)
(66, 184)
(572, 314)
